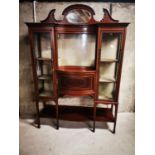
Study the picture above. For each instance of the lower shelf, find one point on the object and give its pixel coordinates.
(77, 113)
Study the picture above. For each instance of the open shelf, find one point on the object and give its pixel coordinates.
(44, 77)
(108, 80)
(107, 60)
(77, 113)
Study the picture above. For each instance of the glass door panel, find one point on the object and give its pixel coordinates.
(109, 46)
(44, 66)
(106, 91)
(42, 45)
(108, 67)
(76, 49)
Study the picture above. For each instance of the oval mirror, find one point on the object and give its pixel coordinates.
(78, 16)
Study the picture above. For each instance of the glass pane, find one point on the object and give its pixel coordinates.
(107, 71)
(78, 16)
(106, 91)
(44, 68)
(45, 88)
(42, 45)
(108, 65)
(110, 46)
(44, 75)
(76, 49)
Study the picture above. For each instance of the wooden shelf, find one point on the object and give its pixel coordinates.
(75, 69)
(46, 94)
(44, 77)
(77, 113)
(103, 97)
(106, 60)
(107, 80)
(43, 59)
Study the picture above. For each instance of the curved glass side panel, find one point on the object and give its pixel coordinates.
(76, 49)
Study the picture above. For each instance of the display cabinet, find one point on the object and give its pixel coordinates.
(77, 56)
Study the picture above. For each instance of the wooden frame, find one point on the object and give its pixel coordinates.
(77, 80)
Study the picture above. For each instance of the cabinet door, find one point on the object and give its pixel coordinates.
(42, 55)
(109, 64)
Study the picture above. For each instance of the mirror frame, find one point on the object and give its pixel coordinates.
(51, 17)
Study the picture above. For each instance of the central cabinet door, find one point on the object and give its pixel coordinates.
(76, 84)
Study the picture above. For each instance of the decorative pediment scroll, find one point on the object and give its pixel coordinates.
(78, 14)
(107, 18)
(50, 18)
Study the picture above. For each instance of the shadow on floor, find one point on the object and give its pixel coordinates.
(68, 124)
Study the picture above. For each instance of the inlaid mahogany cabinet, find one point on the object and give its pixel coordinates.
(77, 56)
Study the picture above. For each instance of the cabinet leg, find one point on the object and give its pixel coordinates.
(94, 117)
(38, 118)
(57, 115)
(114, 127)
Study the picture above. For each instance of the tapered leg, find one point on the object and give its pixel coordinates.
(57, 115)
(114, 127)
(94, 117)
(38, 118)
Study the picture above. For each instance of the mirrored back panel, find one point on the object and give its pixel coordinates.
(78, 16)
(76, 49)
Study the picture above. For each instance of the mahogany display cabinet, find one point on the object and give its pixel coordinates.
(77, 56)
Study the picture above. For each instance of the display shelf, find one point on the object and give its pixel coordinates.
(44, 77)
(108, 80)
(103, 97)
(78, 113)
(43, 59)
(46, 93)
(75, 69)
(108, 60)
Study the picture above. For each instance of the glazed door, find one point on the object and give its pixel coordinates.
(110, 54)
(43, 67)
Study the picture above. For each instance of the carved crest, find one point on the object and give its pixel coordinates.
(78, 14)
